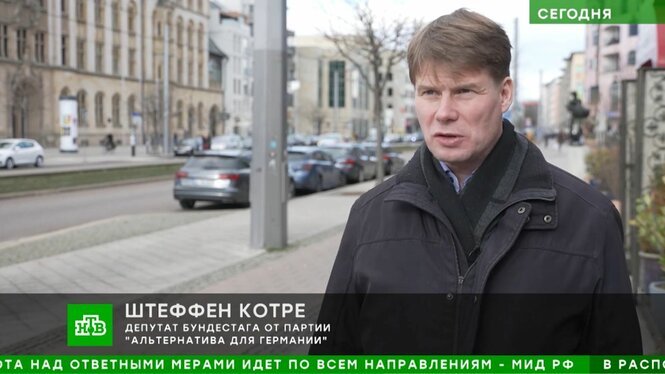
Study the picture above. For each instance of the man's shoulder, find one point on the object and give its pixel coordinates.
(573, 190)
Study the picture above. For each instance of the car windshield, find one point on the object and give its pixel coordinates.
(337, 152)
(297, 156)
(216, 162)
(6, 145)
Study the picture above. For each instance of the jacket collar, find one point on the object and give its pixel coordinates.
(533, 182)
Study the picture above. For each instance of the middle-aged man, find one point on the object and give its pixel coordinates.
(478, 245)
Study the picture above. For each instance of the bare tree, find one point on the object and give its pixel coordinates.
(379, 45)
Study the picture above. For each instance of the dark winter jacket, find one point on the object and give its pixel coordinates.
(549, 275)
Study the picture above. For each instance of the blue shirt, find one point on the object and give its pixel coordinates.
(453, 177)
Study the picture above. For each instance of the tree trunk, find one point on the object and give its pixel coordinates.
(378, 119)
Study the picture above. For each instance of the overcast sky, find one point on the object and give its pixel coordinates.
(541, 47)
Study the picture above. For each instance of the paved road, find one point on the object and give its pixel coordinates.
(33, 215)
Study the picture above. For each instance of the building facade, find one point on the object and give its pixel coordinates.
(231, 29)
(109, 54)
(610, 58)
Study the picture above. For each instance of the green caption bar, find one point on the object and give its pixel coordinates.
(596, 11)
(302, 364)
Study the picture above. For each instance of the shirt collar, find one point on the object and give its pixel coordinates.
(453, 178)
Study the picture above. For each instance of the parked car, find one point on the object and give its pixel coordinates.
(223, 142)
(392, 161)
(188, 146)
(14, 152)
(218, 176)
(353, 161)
(392, 138)
(312, 169)
(330, 138)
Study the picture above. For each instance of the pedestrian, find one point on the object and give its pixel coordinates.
(478, 245)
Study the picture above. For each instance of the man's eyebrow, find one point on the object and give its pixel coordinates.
(470, 86)
(425, 87)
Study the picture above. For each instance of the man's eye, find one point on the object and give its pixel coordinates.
(428, 92)
(463, 91)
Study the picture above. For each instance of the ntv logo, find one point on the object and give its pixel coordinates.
(90, 325)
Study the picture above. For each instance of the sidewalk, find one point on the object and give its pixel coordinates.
(89, 158)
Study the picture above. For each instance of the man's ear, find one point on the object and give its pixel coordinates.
(506, 93)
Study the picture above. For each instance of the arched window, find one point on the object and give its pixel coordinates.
(200, 117)
(201, 39)
(82, 111)
(191, 119)
(131, 108)
(212, 120)
(64, 92)
(131, 16)
(115, 16)
(99, 12)
(115, 111)
(179, 114)
(179, 32)
(99, 109)
(80, 10)
(190, 35)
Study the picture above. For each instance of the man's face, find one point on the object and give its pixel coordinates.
(460, 114)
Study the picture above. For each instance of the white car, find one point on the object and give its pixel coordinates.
(20, 152)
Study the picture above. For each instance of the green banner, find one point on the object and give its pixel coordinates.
(596, 11)
(289, 364)
(332, 364)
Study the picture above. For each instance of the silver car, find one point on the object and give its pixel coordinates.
(15, 152)
(218, 176)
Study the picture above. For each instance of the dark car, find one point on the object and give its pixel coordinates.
(218, 176)
(353, 161)
(188, 146)
(392, 161)
(312, 169)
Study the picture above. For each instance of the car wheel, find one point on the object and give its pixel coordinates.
(187, 204)
(388, 170)
(319, 184)
(292, 190)
(39, 161)
(342, 180)
(9, 164)
(361, 175)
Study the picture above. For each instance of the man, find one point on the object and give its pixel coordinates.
(478, 245)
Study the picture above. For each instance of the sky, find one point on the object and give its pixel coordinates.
(540, 47)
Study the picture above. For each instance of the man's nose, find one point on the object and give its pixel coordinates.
(446, 110)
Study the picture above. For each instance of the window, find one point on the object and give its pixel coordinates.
(631, 58)
(130, 109)
(63, 7)
(190, 36)
(614, 96)
(99, 57)
(82, 112)
(80, 54)
(99, 12)
(594, 95)
(632, 30)
(115, 110)
(390, 92)
(179, 32)
(612, 35)
(199, 117)
(4, 41)
(190, 73)
(611, 63)
(179, 114)
(336, 84)
(99, 109)
(132, 62)
(595, 37)
(201, 75)
(63, 49)
(389, 77)
(21, 35)
(80, 10)
(130, 18)
(39, 47)
(116, 60)
(179, 72)
(115, 16)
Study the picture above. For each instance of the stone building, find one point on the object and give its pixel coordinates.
(109, 54)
